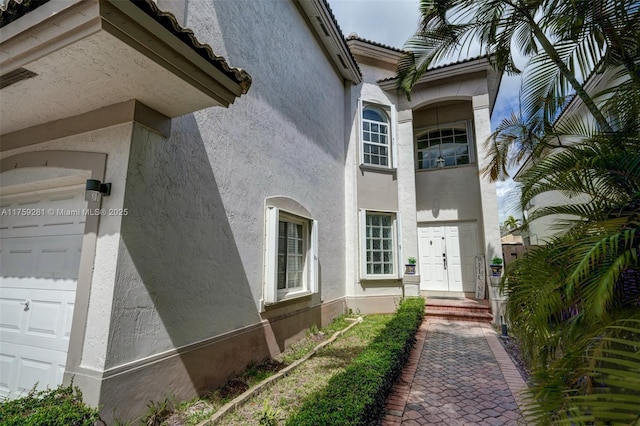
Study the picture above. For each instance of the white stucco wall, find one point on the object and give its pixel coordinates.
(541, 230)
(191, 266)
(449, 194)
(372, 74)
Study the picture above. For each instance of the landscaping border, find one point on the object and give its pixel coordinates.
(238, 401)
(357, 395)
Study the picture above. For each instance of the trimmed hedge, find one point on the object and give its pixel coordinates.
(357, 395)
(62, 406)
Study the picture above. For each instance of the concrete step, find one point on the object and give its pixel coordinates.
(477, 309)
(484, 317)
(459, 309)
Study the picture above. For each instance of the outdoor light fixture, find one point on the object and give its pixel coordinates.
(95, 189)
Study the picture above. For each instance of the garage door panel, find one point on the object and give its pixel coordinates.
(41, 257)
(38, 283)
(44, 319)
(21, 370)
(10, 314)
(39, 262)
(58, 229)
(44, 216)
(46, 323)
(6, 369)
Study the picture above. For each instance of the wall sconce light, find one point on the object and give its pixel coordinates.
(440, 162)
(95, 189)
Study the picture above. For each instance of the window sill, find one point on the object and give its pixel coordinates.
(446, 168)
(292, 297)
(379, 169)
(375, 278)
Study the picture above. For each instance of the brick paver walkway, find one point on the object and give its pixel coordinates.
(458, 374)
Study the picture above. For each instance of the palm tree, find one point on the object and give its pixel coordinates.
(511, 223)
(565, 41)
(575, 302)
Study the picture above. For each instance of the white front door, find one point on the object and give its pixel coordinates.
(40, 249)
(447, 257)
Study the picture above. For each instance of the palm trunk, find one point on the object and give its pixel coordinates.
(555, 57)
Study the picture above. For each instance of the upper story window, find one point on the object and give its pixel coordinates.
(375, 137)
(446, 146)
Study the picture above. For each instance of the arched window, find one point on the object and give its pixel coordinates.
(445, 146)
(375, 137)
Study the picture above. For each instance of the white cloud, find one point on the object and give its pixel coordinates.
(508, 199)
(384, 21)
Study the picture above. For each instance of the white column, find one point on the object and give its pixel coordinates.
(351, 187)
(407, 196)
(488, 197)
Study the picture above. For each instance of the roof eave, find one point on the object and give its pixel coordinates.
(444, 71)
(375, 51)
(328, 32)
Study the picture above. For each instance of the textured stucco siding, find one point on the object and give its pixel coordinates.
(448, 195)
(191, 266)
(545, 228)
(377, 190)
(372, 74)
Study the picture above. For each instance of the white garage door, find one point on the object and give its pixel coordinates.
(40, 244)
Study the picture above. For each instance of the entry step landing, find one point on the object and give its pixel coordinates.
(458, 309)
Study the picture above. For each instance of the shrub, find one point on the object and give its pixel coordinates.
(357, 395)
(62, 406)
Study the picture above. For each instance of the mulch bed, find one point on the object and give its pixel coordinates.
(512, 346)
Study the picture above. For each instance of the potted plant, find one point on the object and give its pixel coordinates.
(410, 267)
(496, 267)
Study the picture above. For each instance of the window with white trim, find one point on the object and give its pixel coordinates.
(292, 252)
(381, 252)
(377, 135)
(450, 144)
(290, 256)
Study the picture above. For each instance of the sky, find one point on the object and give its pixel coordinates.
(392, 22)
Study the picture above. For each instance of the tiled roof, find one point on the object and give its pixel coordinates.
(354, 36)
(10, 10)
(335, 22)
(168, 20)
(448, 64)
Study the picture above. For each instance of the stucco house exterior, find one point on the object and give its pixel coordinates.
(246, 204)
(543, 229)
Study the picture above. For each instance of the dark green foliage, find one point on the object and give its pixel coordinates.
(357, 396)
(52, 407)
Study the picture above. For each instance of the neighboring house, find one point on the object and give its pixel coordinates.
(245, 206)
(541, 230)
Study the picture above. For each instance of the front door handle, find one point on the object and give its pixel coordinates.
(444, 260)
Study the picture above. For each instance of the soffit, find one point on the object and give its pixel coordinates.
(94, 53)
(329, 34)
